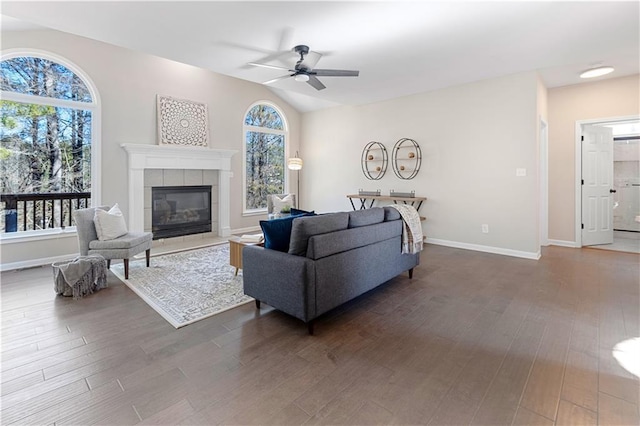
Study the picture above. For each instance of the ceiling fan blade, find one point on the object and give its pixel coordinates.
(335, 73)
(315, 83)
(278, 79)
(286, 38)
(275, 67)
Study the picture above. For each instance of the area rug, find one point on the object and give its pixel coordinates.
(188, 286)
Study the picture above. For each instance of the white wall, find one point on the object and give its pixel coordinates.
(543, 162)
(473, 137)
(616, 97)
(128, 83)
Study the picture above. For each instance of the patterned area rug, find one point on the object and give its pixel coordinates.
(188, 286)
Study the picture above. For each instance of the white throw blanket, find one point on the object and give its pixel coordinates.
(411, 228)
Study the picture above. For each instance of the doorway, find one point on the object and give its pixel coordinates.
(608, 184)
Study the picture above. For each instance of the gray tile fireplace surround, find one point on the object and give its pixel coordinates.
(180, 177)
(149, 164)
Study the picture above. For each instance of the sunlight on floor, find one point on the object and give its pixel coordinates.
(627, 353)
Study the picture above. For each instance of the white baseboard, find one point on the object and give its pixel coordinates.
(245, 230)
(486, 249)
(563, 243)
(476, 247)
(36, 262)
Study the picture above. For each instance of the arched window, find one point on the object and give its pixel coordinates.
(265, 139)
(48, 145)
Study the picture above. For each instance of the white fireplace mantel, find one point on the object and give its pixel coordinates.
(142, 156)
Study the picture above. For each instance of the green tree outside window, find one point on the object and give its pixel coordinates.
(265, 136)
(45, 135)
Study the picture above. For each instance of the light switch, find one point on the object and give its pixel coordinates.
(521, 172)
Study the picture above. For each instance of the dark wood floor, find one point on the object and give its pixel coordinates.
(474, 338)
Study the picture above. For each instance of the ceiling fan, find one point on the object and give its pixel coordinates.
(304, 71)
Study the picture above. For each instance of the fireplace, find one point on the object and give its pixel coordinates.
(180, 210)
(144, 157)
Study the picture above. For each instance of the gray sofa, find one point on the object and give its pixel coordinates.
(332, 259)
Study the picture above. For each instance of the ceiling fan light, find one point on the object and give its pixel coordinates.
(596, 72)
(301, 77)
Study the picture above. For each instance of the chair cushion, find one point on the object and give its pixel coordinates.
(109, 225)
(126, 241)
(85, 227)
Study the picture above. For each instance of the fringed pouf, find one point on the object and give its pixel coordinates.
(80, 276)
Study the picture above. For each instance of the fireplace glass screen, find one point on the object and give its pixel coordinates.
(180, 210)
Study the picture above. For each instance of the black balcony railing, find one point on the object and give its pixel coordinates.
(27, 212)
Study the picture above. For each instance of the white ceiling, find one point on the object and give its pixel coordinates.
(400, 48)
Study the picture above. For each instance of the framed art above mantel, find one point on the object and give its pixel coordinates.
(182, 122)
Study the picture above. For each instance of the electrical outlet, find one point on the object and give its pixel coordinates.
(485, 228)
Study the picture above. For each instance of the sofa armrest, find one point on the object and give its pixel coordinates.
(281, 280)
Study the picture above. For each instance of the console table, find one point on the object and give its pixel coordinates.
(413, 201)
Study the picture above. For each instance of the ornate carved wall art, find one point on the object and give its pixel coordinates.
(182, 122)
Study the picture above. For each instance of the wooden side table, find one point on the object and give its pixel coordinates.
(235, 251)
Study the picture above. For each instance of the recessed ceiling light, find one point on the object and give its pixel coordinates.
(596, 72)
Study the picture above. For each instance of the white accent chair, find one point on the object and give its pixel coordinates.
(124, 247)
(270, 202)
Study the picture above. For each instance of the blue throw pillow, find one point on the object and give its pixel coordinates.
(277, 232)
(298, 212)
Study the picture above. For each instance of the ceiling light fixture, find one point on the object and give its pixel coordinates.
(301, 77)
(596, 72)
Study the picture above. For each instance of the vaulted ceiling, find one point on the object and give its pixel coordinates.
(400, 48)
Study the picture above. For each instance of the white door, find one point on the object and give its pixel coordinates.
(597, 185)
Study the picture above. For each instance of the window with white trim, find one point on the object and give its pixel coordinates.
(47, 142)
(265, 139)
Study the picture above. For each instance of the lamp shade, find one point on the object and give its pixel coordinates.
(294, 163)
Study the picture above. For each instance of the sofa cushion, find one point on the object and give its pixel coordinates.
(305, 227)
(277, 232)
(366, 217)
(298, 212)
(337, 242)
(391, 214)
